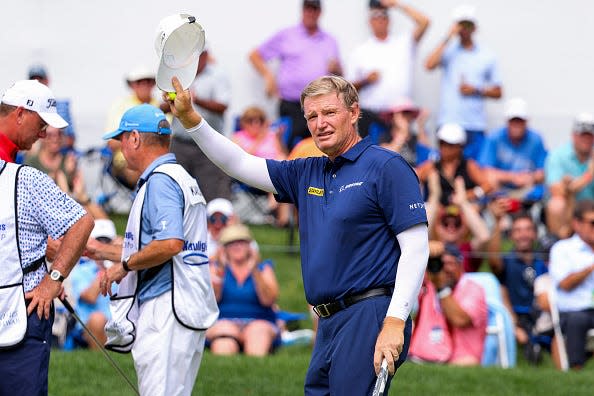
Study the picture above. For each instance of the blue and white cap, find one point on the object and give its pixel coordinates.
(144, 118)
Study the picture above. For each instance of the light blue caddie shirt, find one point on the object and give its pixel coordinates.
(476, 67)
(350, 212)
(162, 218)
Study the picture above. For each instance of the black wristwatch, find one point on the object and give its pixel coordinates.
(125, 264)
(56, 275)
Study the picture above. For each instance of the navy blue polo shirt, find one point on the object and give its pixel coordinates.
(518, 277)
(350, 212)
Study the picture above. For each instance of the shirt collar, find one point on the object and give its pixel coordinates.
(164, 159)
(8, 147)
(304, 31)
(353, 153)
(580, 244)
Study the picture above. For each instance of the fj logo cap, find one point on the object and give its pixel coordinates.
(180, 41)
(33, 95)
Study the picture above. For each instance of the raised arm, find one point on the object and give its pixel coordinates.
(434, 58)
(421, 20)
(262, 67)
(225, 154)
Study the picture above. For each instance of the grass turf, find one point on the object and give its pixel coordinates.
(81, 373)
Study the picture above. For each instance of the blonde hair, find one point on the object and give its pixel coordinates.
(251, 113)
(331, 84)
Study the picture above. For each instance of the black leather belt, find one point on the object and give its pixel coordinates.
(328, 309)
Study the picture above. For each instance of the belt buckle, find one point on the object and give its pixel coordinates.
(322, 310)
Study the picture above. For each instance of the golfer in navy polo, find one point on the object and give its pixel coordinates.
(363, 233)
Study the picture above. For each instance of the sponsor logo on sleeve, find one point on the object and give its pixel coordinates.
(416, 205)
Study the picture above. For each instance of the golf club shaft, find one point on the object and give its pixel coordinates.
(382, 379)
(101, 347)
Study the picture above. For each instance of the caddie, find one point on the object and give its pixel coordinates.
(165, 301)
(32, 208)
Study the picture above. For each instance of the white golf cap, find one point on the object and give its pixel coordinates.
(452, 134)
(179, 42)
(516, 108)
(220, 205)
(583, 123)
(140, 73)
(104, 228)
(464, 12)
(33, 95)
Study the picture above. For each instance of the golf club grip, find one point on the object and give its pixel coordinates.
(66, 304)
(382, 379)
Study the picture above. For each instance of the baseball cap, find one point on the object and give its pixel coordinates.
(220, 205)
(179, 42)
(584, 123)
(104, 228)
(235, 232)
(143, 118)
(464, 12)
(37, 70)
(453, 250)
(516, 108)
(34, 96)
(452, 134)
(312, 3)
(450, 211)
(140, 73)
(376, 4)
(405, 104)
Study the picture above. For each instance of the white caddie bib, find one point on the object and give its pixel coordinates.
(193, 301)
(13, 311)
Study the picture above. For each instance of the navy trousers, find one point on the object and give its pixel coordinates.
(24, 368)
(342, 358)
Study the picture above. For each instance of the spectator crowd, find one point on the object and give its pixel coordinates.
(497, 201)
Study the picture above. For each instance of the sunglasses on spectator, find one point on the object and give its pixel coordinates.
(455, 222)
(218, 217)
(588, 221)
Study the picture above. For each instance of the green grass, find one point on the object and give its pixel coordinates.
(83, 373)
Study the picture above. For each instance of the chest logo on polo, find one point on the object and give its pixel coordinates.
(318, 192)
(351, 185)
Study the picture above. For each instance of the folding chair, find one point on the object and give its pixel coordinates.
(557, 329)
(500, 343)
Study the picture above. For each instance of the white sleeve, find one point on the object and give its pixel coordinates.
(414, 247)
(231, 158)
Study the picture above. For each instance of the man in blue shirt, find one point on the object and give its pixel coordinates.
(164, 253)
(362, 223)
(514, 155)
(517, 269)
(470, 75)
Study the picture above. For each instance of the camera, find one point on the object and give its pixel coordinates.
(434, 265)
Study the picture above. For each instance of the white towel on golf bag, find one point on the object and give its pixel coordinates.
(121, 329)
